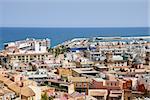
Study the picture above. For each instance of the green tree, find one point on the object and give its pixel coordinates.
(51, 98)
(44, 97)
(58, 50)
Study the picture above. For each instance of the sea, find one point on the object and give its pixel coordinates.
(59, 35)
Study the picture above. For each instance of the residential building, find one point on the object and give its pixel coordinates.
(81, 84)
(77, 72)
(30, 44)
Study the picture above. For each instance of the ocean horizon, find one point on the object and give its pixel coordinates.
(59, 35)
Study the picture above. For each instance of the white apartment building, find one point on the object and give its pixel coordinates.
(30, 44)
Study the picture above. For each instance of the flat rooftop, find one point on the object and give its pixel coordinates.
(85, 70)
(98, 79)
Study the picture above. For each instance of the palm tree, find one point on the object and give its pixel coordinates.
(58, 50)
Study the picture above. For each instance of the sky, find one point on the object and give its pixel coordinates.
(74, 13)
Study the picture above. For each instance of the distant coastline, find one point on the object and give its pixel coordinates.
(61, 34)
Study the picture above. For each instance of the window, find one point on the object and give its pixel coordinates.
(21, 78)
(111, 84)
(128, 98)
(146, 81)
(107, 84)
